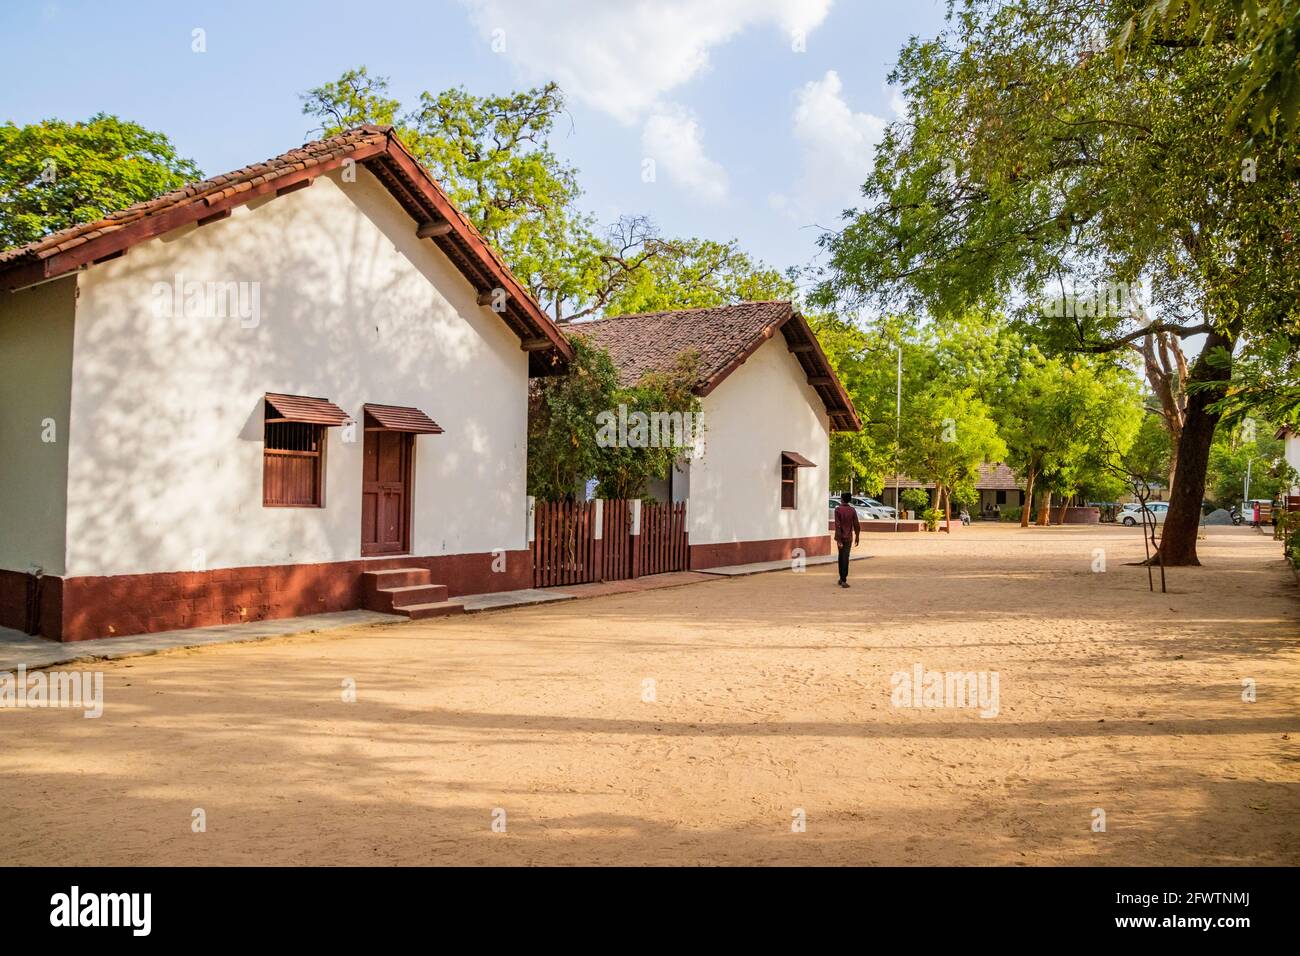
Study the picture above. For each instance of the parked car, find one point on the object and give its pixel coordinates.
(863, 513)
(1132, 514)
(877, 508)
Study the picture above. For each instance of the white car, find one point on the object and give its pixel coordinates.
(863, 513)
(877, 508)
(1131, 515)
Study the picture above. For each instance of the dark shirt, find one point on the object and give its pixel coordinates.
(846, 524)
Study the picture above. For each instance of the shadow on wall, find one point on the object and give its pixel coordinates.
(166, 422)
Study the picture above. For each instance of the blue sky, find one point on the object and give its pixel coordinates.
(759, 115)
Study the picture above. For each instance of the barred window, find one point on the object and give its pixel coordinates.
(293, 472)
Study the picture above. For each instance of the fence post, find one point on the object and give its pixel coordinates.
(597, 540)
(634, 533)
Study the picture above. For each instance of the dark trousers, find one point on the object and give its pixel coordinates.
(844, 560)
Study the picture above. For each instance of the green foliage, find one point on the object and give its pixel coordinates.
(932, 517)
(947, 434)
(562, 410)
(565, 415)
(1031, 164)
(864, 360)
(915, 499)
(1010, 514)
(1147, 459)
(624, 472)
(493, 157)
(1234, 449)
(699, 273)
(1034, 168)
(55, 174)
(1263, 36)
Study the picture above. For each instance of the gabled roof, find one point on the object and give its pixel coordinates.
(375, 147)
(993, 476)
(724, 337)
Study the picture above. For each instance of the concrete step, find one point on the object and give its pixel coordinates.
(418, 612)
(396, 577)
(412, 594)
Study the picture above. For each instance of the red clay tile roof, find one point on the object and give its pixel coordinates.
(403, 418)
(994, 476)
(724, 337)
(376, 147)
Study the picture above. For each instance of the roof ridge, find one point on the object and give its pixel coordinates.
(698, 308)
(304, 152)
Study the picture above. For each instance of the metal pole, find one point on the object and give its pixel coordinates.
(898, 431)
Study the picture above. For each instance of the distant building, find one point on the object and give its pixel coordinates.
(997, 485)
(1290, 435)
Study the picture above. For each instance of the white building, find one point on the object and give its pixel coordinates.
(759, 488)
(228, 403)
(1289, 435)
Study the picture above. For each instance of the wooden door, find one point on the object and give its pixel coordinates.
(386, 493)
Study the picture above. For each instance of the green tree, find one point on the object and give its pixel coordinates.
(1250, 446)
(623, 471)
(1063, 421)
(567, 439)
(55, 174)
(1264, 36)
(947, 434)
(699, 273)
(562, 414)
(1030, 160)
(492, 155)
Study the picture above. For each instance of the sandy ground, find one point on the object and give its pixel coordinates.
(772, 695)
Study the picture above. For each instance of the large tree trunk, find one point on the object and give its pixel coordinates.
(1045, 510)
(1166, 371)
(1178, 539)
(1028, 506)
(1065, 505)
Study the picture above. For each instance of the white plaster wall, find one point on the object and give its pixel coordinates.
(763, 408)
(36, 327)
(1293, 455)
(166, 418)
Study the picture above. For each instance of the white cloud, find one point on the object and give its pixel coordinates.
(837, 147)
(671, 137)
(622, 57)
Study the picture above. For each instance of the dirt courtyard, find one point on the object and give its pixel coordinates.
(739, 721)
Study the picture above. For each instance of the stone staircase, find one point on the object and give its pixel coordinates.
(407, 591)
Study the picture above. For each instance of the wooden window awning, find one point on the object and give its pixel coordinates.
(300, 408)
(400, 418)
(795, 459)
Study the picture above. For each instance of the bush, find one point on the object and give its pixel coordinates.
(915, 499)
(1293, 548)
(1011, 514)
(932, 517)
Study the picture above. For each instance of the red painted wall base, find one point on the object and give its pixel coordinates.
(83, 609)
(751, 552)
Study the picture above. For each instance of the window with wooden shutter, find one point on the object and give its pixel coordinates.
(293, 457)
(293, 472)
(791, 462)
(789, 485)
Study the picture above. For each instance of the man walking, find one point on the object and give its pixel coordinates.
(847, 534)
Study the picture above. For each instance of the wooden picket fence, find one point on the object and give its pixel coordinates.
(663, 538)
(616, 530)
(564, 543)
(565, 549)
